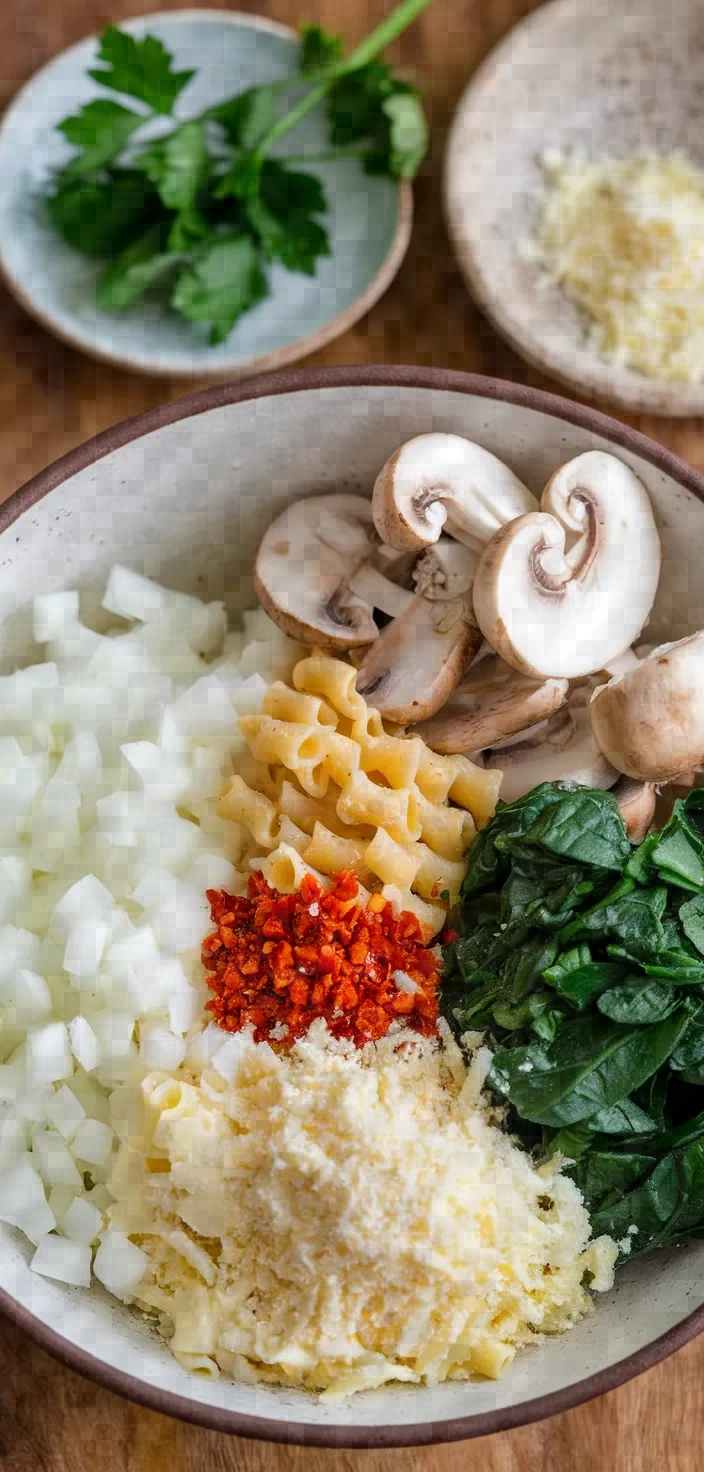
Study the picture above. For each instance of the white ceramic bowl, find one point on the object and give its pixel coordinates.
(369, 218)
(606, 78)
(183, 493)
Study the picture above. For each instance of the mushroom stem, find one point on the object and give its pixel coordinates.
(636, 802)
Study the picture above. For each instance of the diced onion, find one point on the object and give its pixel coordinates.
(68, 1262)
(119, 1264)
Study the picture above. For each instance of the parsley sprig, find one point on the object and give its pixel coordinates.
(199, 212)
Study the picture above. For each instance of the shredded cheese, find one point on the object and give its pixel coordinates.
(364, 1217)
(625, 239)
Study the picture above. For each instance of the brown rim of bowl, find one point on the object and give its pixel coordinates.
(276, 358)
(262, 1428)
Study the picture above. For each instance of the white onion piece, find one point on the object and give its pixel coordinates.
(82, 1222)
(84, 951)
(68, 1262)
(84, 1044)
(54, 1161)
(161, 1050)
(65, 1112)
(23, 1200)
(92, 1142)
(49, 1057)
(30, 999)
(88, 899)
(119, 1264)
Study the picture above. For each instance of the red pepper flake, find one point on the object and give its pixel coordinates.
(286, 959)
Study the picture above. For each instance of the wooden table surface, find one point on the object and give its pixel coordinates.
(51, 399)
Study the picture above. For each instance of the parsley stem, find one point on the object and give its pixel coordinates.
(399, 20)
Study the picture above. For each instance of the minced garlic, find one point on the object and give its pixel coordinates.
(357, 1216)
(625, 239)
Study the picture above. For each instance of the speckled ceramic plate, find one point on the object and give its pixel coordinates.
(610, 78)
(369, 219)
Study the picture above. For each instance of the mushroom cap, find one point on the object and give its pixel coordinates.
(437, 481)
(563, 591)
(492, 702)
(417, 660)
(650, 721)
(303, 566)
(574, 757)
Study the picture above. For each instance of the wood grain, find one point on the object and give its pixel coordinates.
(51, 398)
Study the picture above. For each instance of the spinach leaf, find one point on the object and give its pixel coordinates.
(593, 1063)
(624, 1118)
(604, 1175)
(628, 914)
(692, 919)
(575, 976)
(585, 825)
(638, 1001)
(679, 853)
(665, 1208)
(572, 1142)
(689, 1052)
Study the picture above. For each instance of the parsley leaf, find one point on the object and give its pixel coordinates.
(319, 49)
(246, 118)
(100, 217)
(282, 216)
(224, 281)
(100, 130)
(143, 264)
(141, 69)
(373, 107)
(408, 133)
(177, 165)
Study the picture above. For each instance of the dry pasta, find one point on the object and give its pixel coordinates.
(339, 791)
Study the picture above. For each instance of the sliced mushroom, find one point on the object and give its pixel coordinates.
(563, 591)
(636, 802)
(565, 751)
(417, 661)
(374, 588)
(492, 702)
(446, 570)
(303, 569)
(438, 481)
(650, 721)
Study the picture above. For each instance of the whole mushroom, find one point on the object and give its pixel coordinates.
(442, 481)
(562, 591)
(649, 722)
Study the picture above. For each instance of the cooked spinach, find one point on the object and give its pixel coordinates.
(583, 960)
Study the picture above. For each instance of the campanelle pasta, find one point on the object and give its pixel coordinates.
(344, 792)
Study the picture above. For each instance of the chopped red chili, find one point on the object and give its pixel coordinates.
(278, 961)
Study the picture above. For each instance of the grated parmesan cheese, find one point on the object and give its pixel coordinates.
(624, 238)
(363, 1216)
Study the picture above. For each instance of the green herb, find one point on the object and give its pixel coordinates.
(584, 961)
(204, 209)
